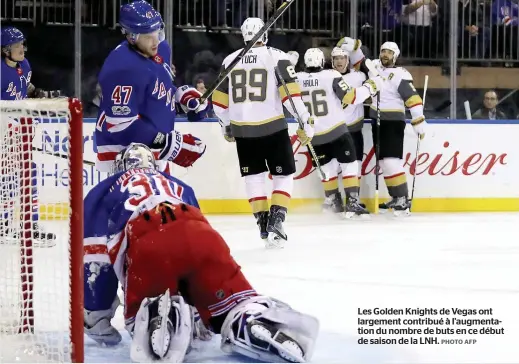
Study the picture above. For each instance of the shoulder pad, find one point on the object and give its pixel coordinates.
(404, 74)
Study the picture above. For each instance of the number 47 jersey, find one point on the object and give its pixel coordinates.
(326, 95)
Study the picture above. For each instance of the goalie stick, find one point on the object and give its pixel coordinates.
(223, 75)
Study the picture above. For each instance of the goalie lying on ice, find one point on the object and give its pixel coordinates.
(145, 230)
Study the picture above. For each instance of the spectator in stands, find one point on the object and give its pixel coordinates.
(505, 12)
(474, 31)
(238, 8)
(505, 16)
(421, 28)
(489, 111)
(384, 20)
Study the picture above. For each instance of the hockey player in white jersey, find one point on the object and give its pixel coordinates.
(399, 94)
(250, 107)
(354, 113)
(328, 97)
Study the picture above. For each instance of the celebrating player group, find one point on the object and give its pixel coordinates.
(145, 230)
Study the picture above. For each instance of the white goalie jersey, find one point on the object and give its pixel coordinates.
(327, 95)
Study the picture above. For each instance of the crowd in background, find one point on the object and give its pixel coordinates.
(206, 31)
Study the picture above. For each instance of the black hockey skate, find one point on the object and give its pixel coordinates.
(262, 219)
(399, 205)
(276, 233)
(353, 208)
(333, 203)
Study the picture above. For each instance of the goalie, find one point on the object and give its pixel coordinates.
(145, 230)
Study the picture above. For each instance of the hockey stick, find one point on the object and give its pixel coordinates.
(426, 82)
(299, 121)
(377, 154)
(223, 75)
(59, 155)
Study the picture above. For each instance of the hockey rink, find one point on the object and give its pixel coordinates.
(330, 268)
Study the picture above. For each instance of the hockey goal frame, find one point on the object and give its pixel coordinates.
(75, 198)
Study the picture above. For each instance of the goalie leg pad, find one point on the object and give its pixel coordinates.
(162, 330)
(266, 329)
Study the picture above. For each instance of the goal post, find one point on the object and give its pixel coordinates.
(41, 262)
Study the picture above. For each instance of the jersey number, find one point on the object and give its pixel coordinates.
(255, 78)
(142, 186)
(121, 94)
(315, 102)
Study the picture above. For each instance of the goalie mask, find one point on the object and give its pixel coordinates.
(136, 155)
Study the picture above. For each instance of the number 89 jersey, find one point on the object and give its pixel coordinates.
(251, 99)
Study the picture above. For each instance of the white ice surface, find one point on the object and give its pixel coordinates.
(330, 268)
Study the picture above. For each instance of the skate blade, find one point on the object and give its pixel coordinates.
(401, 213)
(353, 216)
(274, 241)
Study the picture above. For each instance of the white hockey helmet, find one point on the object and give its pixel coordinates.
(392, 46)
(339, 52)
(314, 58)
(136, 155)
(251, 27)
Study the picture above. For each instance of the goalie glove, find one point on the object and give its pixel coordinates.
(98, 327)
(306, 134)
(181, 149)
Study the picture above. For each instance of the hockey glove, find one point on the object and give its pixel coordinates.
(181, 149)
(227, 133)
(294, 57)
(192, 149)
(374, 85)
(349, 45)
(190, 100)
(98, 327)
(419, 126)
(305, 135)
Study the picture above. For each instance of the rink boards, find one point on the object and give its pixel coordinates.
(462, 166)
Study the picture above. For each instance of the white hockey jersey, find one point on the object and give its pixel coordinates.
(251, 99)
(326, 95)
(354, 112)
(398, 94)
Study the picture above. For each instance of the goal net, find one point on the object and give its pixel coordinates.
(41, 231)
